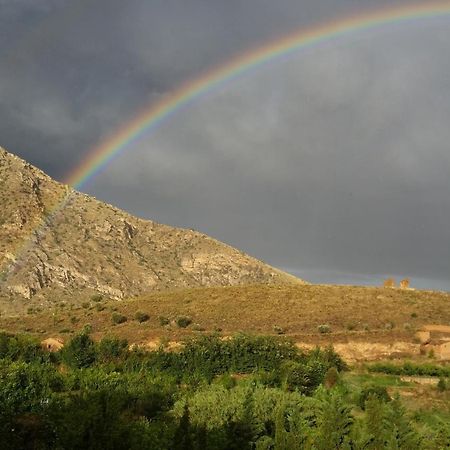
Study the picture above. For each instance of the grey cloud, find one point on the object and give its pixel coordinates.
(333, 161)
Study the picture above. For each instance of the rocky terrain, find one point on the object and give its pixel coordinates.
(55, 241)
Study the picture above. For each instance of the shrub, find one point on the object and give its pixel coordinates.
(163, 321)
(331, 377)
(442, 385)
(183, 321)
(118, 318)
(414, 315)
(305, 378)
(85, 305)
(111, 348)
(97, 298)
(389, 325)
(279, 330)
(378, 392)
(323, 328)
(79, 352)
(141, 317)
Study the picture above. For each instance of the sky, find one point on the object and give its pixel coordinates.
(332, 163)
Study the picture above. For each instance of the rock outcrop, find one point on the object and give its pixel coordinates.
(53, 237)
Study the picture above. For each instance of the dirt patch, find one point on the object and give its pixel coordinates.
(371, 351)
(421, 380)
(52, 344)
(437, 328)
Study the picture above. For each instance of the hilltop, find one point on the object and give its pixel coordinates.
(50, 253)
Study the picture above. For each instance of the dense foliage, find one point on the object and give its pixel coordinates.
(242, 393)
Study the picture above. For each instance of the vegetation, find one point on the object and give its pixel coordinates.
(118, 318)
(241, 393)
(295, 310)
(411, 369)
(141, 316)
(183, 321)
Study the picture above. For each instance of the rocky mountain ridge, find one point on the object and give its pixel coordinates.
(53, 237)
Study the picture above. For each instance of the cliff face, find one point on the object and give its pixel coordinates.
(54, 237)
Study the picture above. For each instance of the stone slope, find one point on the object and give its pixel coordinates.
(89, 245)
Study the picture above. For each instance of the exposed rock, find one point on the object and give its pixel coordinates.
(52, 237)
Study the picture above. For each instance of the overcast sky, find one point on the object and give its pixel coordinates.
(333, 163)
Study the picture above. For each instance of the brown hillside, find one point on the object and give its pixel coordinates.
(357, 314)
(89, 246)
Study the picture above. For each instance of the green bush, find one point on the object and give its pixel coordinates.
(378, 392)
(21, 347)
(324, 328)
(183, 321)
(442, 385)
(410, 369)
(111, 348)
(80, 352)
(118, 318)
(141, 317)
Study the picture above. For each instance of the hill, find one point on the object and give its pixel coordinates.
(355, 319)
(55, 241)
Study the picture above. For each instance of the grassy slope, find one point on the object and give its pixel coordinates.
(356, 313)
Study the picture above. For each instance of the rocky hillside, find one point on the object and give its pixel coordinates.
(52, 237)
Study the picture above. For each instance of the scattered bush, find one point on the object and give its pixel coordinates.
(85, 305)
(118, 318)
(163, 321)
(414, 315)
(389, 326)
(97, 298)
(141, 317)
(279, 330)
(183, 321)
(323, 328)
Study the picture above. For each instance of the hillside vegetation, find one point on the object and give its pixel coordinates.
(309, 313)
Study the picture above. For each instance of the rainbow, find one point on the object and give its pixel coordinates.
(151, 117)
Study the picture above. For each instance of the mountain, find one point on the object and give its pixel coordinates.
(55, 241)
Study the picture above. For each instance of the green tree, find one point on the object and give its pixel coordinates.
(79, 352)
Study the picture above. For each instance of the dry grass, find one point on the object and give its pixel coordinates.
(352, 313)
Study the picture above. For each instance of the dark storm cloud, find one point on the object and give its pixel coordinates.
(334, 164)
